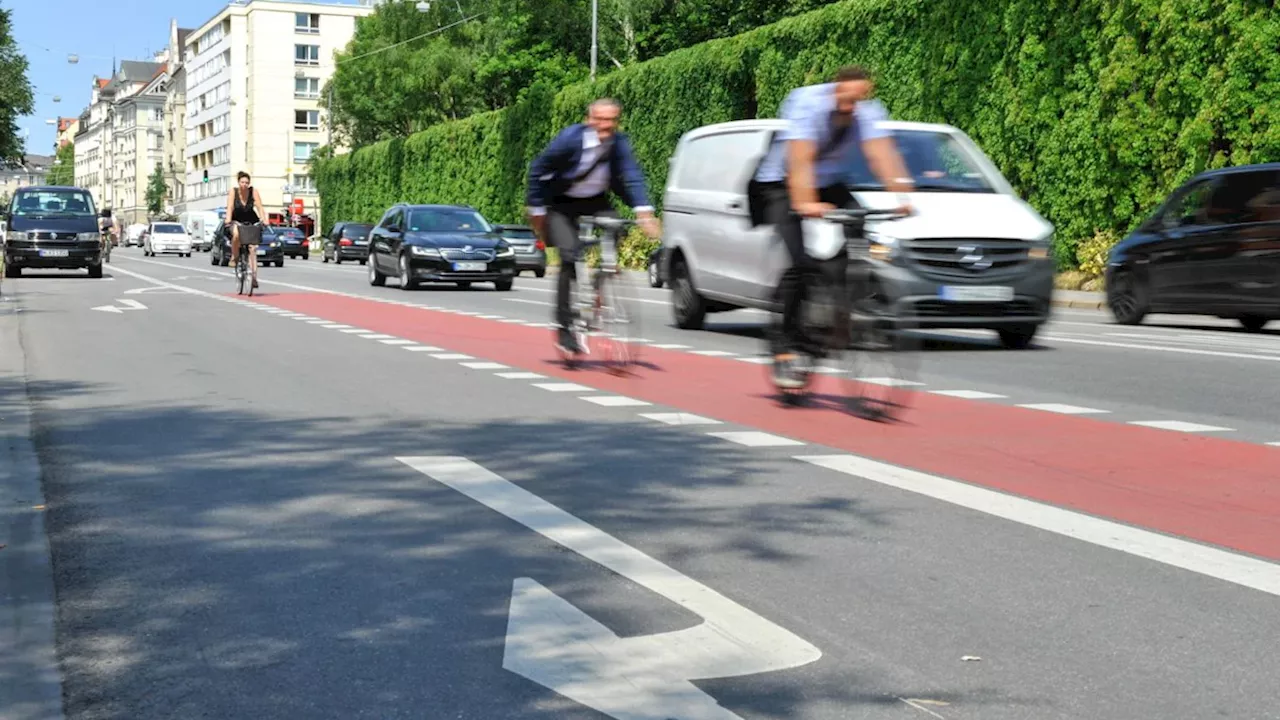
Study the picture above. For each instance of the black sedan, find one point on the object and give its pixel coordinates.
(348, 241)
(270, 251)
(440, 244)
(293, 242)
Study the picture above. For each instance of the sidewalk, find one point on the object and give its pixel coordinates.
(30, 679)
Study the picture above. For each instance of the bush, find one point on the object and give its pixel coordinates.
(1091, 255)
(1094, 109)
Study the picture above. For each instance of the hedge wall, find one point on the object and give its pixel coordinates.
(1094, 109)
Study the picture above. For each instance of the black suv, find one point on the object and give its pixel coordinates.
(270, 251)
(439, 243)
(53, 228)
(1212, 248)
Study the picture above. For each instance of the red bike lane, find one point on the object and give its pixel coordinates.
(1207, 489)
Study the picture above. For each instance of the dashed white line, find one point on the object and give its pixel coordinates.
(453, 356)
(397, 341)
(354, 330)
(890, 382)
(754, 438)
(1274, 444)
(679, 419)
(563, 387)
(670, 346)
(485, 366)
(421, 348)
(1064, 409)
(489, 317)
(1180, 426)
(338, 327)
(755, 360)
(378, 336)
(616, 401)
(713, 353)
(968, 394)
(520, 375)
(317, 322)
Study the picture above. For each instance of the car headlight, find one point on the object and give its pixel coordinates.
(1039, 250)
(89, 237)
(882, 246)
(427, 252)
(275, 243)
(505, 250)
(15, 235)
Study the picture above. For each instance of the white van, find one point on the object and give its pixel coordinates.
(974, 255)
(200, 225)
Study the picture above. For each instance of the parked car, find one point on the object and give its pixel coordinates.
(439, 243)
(133, 234)
(166, 237)
(531, 253)
(1212, 248)
(974, 255)
(347, 241)
(293, 242)
(270, 251)
(52, 228)
(657, 268)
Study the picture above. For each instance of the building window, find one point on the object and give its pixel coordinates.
(305, 87)
(308, 23)
(303, 184)
(306, 119)
(302, 151)
(306, 54)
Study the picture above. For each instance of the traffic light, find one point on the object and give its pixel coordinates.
(206, 176)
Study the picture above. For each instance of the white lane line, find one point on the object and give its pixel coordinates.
(1063, 409)
(397, 341)
(1180, 426)
(753, 438)
(317, 322)
(452, 356)
(485, 365)
(679, 419)
(563, 387)
(616, 401)
(355, 330)
(491, 317)
(1179, 350)
(520, 375)
(889, 382)
(968, 394)
(513, 321)
(421, 348)
(670, 346)
(338, 327)
(755, 360)
(713, 353)
(1274, 444)
(378, 336)
(1202, 559)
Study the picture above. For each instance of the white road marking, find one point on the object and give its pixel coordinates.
(397, 341)
(378, 336)
(670, 346)
(513, 321)
(338, 327)
(755, 360)
(1063, 409)
(1274, 444)
(1155, 348)
(889, 382)
(490, 317)
(453, 356)
(968, 394)
(1180, 426)
(520, 375)
(616, 401)
(355, 330)
(1202, 559)
(713, 353)
(753, 438)
(645, 677)
(318, 322)
(421, 348)
(563, 387)
(679, 419)
(485, 366)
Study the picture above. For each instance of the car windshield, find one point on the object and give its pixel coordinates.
(937, 163)
(442, 220)
(61, 202)
(168, 228)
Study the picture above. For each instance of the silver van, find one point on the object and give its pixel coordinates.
(974, 255)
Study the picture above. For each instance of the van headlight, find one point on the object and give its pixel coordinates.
(89, 237)
(882, 247)
(15, 236)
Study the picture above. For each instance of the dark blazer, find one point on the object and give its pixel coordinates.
(552, 172)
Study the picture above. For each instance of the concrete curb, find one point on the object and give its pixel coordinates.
(30, 678)
(1080, 304)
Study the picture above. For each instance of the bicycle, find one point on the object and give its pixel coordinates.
(604, 312)
(868, 342)
(242, 265)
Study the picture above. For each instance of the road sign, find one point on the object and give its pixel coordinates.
(554, 644)
(298, 206)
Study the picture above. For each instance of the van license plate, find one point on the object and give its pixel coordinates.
(469, 266)
(976, 293)
(262, 251)
(54, 253)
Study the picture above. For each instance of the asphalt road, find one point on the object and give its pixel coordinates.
(240, 529)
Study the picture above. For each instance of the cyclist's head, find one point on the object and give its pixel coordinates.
(243, 178)
(853, 85)
(602, 116)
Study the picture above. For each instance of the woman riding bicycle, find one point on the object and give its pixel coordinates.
(803, 175)
(245, 213)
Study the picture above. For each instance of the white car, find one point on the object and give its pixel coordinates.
(133, 234)
(167, 237)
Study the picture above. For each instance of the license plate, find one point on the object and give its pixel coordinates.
(976, 293)
(469, 266)
(54, 253)
(262, 251)
(362, 242)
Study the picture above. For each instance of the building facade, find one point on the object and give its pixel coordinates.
(119, 142)
(33, 170)
(253, 79)
(175, 120)
(67, 129)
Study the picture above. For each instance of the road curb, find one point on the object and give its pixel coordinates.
(1080, 304)
(32, 686)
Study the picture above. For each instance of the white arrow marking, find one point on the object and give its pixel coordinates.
(109, 308)
(647, 677)
(132, 304)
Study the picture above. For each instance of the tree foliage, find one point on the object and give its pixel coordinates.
(63, 171)
(1094, 109)
(16, 98)
(157, 190)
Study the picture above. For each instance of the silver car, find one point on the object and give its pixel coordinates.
(974, 255)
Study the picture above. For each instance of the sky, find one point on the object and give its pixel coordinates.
(49, 30)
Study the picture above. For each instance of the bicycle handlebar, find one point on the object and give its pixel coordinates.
(851, 216)
(607, 223)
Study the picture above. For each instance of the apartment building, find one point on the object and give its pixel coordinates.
(120, 138)
(67, 129)
(175, 120)
(32, 170)
(253, 78)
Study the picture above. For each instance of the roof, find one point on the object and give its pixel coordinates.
(1273, 167)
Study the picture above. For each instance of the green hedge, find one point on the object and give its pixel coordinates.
(1093, 109)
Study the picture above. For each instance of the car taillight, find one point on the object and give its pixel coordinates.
(540, 245)
(344, 241)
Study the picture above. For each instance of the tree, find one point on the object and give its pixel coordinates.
(16, 98)
(63, 171)
(156, 191)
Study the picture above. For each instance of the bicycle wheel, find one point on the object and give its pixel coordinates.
(879, 366)
(617, 322)
(242, 273)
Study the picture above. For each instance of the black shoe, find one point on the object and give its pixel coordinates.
(567, 343)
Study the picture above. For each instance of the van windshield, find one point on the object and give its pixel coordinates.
(936, 161)
(53, 202)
